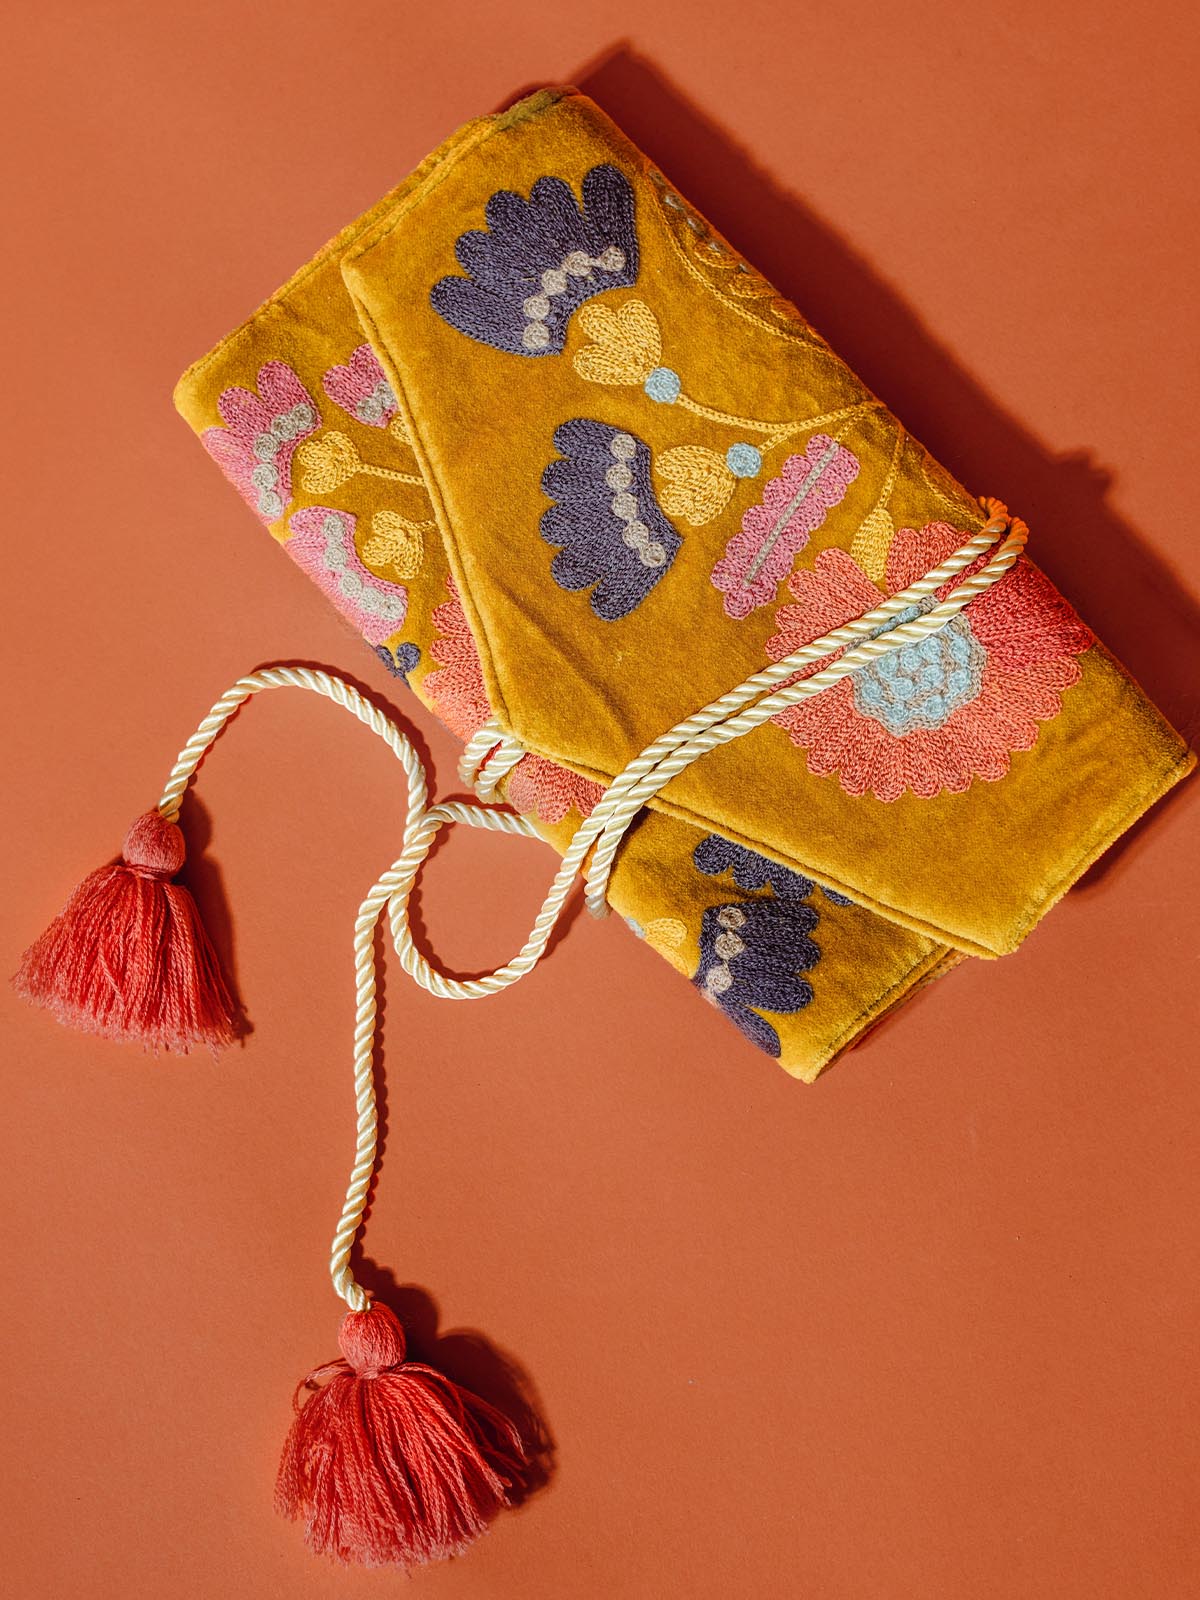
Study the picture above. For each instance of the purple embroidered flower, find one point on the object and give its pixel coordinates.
(607, 521)
(255, 447)
(715, 855)
(406, 657)
(539, 260)
(361, 389)
(751, 958)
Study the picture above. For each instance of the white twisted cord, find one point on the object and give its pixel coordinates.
(490, 755)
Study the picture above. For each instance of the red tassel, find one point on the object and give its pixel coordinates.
(389, 1462)
(128, 956)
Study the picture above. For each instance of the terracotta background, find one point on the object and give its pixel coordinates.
(927, 1329)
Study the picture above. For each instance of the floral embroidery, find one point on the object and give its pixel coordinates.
(774, 532)
(611, 531)
(930, 716)
(322, 542)
(456, 688)
(668, 936)
(696, 483)
(405, 659)
(716, 854)
(751, 958)
(262, 430)
(362, 390)
(396, 543)
(725, 273)
(875, 533)
(332, 460)
(539, 260)
(626, 351)
(549, 791)
(460, 698)
(626, 348)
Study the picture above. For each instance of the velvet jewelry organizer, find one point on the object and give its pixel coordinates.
(572, 468)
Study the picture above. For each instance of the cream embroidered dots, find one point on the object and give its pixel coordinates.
(624, 504)
(555, 281)
(378, 406)
(727, 946)
(284, 430)
(260, 434)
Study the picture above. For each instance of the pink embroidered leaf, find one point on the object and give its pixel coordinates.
(774, 532)
(361, 389)
(322, 543)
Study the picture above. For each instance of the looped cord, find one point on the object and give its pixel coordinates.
(492, 754)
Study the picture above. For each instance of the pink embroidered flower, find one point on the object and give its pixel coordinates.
(322, 543)
(255, 447)
(361, 389)
(460, 697)
(933, 715)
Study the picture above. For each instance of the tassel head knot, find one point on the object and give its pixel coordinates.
(154, 847)
(372, 1341)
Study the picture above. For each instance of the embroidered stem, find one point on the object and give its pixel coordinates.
(397, 477)
(776, 432)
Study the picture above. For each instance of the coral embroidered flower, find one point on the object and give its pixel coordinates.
(549, 791)
(262, 430)
(612, 532)
(322, 542)
(930, 716)
(362, 390)
(460, 698)
(751, 958)
(538, 261)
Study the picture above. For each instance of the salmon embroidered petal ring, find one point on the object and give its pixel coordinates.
(707, 619)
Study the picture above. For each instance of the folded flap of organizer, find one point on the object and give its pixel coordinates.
(653, 478)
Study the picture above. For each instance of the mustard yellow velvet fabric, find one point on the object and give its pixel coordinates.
(564, 459)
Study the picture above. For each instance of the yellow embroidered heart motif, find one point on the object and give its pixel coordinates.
(626, 343)
(694, 483)
(395, 544)
(327, 462)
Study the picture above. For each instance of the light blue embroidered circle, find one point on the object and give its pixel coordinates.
(663, 385)
(919, 685)
(743, 460)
